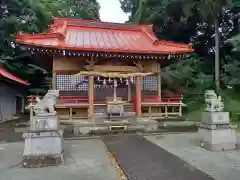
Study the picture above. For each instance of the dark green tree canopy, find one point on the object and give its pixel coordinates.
(35, 16)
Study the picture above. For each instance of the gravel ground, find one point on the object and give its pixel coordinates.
(143, 160)
(220, 165)
(84, 160)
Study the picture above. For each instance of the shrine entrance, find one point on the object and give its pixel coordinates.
(107, 85)
(98, 50)
(104, 88)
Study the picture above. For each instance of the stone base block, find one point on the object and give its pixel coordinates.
(42, 161)
(219, 147)
(215, 117)
(218, 139)
(45, 122)
(83, 127)
(148, 125)
(43, 148)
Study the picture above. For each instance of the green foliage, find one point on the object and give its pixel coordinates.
(82, 9)
(188, 76)
(193, 21)
(34, 16)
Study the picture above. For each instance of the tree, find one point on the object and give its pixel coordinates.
(81, 9)
(34, 16)
(189, 21)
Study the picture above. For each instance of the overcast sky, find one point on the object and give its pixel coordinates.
(111, 11)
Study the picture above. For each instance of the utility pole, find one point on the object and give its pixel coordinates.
(217, 56)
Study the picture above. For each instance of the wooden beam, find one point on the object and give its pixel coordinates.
(129, 92)
(115, 68)
(54, 80)
(159, 82)
(159, 87)
(67, 72)
(138, 96)
(91, 97)
(68, 64)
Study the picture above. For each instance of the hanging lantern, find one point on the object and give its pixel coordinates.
(115, 83)
(131, 79)
(104, 82)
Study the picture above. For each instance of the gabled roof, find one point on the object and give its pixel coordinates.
(84, 35)
(12, 77)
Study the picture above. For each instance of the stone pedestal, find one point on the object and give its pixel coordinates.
(43, 149)
(215, 118)
(216, 132)
(45, 122)
(43, 143)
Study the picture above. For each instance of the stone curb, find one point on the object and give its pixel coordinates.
(132, 134)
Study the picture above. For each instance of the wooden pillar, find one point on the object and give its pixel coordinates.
(129, 92)
(91, 97)
(31, 114)
(159, 84)
(138, 96)
(54, 80)
(23, 105)
(70, 114)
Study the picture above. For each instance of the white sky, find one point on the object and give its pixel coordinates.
(111, 11)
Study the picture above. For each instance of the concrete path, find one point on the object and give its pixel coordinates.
(143, 160)
(220, 165)
(84, 160)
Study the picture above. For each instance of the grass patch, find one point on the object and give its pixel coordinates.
(231, 105)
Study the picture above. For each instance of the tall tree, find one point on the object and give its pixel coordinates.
(83, 9)
(34, 16)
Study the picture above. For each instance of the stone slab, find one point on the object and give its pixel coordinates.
(224, 165)
(84, 130)
(86, 159)
(215, 117)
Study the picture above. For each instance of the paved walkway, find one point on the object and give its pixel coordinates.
(142, 160)
(220, 165)
(84, 160)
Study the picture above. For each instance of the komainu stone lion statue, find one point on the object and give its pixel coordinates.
(213, 102)
(46, 105)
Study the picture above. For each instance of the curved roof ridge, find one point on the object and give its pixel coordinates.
(56, 19)
(147, 30)
(8, 75)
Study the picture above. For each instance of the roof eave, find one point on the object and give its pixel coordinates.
(64, 47)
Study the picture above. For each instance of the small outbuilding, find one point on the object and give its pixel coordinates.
(12, 95)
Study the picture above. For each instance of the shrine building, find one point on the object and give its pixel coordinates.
(94, 63)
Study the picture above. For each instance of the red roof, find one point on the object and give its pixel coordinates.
(84, 35)
(9, 75)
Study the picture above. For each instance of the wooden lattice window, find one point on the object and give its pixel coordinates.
(149, 83)
(70, 83)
